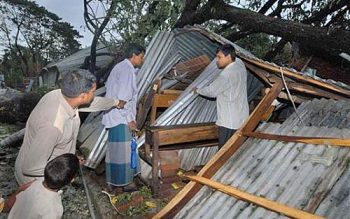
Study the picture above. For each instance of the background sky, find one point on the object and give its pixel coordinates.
(71, 11)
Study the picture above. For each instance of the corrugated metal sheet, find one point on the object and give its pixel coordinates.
(337, 202)
(322, 112)
(77, 59)
(52, 71)
(290, 173)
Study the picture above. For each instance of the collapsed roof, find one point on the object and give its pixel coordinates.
(304, 176)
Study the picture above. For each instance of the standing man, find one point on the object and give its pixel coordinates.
(53, 125)
(230, 91)
(121, 84)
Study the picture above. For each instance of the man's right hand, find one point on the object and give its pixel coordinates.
(121, 104)
(132, 125)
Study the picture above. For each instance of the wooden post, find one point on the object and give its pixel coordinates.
(221, 157)
(155, 162)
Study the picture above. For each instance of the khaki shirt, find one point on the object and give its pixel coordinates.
(51, 130)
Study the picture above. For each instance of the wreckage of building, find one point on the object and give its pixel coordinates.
(298, 168)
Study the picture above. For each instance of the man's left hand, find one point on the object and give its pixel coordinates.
(81, 159)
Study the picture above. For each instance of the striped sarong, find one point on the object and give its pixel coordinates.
(118, 170)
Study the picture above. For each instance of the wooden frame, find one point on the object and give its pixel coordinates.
(175, 137)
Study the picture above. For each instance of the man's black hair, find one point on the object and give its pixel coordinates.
(60, 171)
(227, 49)
(76, 82)
(134, 48)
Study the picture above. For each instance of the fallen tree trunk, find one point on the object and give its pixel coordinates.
(13, 139)
(16, 107)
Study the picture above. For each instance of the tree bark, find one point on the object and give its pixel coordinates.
(97, 34)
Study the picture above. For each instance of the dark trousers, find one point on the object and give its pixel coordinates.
(224, 135)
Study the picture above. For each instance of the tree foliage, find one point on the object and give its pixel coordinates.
(35, 35)
(131, 21)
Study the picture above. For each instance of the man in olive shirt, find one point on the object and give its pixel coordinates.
(53, 125)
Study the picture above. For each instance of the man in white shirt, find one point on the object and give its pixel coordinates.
(230, 91)
(121, 85)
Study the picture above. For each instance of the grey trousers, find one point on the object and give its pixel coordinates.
(224, 135)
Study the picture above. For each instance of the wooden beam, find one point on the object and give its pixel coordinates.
(260, 73)
(191, 134)
(284, 96)
(262, 202)
(217, 161)
(296, 99)
(306, 64)
(269, 78)
(303, 88)
(298, 76)
(300, 139)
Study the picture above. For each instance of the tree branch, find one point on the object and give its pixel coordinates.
(317, 38)
(198, 16)
(188, 11)
(267, 6)
(324, 12)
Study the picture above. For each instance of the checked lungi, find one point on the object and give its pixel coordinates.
(118, 170)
